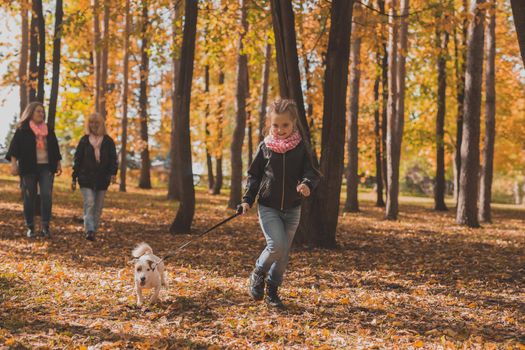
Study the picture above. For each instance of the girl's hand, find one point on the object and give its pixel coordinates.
(303, 189)
(14, 169)
(59, 169)
(245, 207)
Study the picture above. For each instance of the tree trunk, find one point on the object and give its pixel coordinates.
(174, 177)
(33, 53)
(377, 137)
(240, 120)
(104, 63)
(439, 189)
(96, 53)
(124, 137)
(209, 164)
(250, 140)
(144, 181)
(523, 193)
(352, 177)
(490, 120)
(310, 105)
(218, 179)
(186, 210)
(461, 68)
(325, 211)
(248, 120)
(218, 149)
(518, 12)
(384, 100)
(37, 57)
(391, 137)
(41, 53)
(516, 192)
(467, 210)
(22, 70)
(264, 90)
(401, 74)
(290, 87)
(286, 56)
(59, 13)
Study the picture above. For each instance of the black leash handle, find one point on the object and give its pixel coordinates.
(173, 253)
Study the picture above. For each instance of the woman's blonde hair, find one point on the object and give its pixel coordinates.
(28, 113)
(101, 127)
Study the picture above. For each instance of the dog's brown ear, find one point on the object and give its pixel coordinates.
(151, 264)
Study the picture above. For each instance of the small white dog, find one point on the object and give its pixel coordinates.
(149, 272)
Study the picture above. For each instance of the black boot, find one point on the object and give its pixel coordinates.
(45, 232)
(30, 231)
(272, 297)
(256, 288)
(90, 236)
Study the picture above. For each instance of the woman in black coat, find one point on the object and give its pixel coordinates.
(35, 157)
(95, 167)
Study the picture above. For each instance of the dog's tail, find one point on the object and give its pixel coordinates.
(141, 249)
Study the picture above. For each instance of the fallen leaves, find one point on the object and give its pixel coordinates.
(408, 284)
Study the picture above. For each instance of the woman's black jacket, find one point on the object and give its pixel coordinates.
(87, 171)
(23, 148)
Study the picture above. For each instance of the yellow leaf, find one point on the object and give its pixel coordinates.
(472, 305)
(10, 341)
(345, 301)
(520, 346)
(293, 294)
(96, 325)
(213, 347)
(127, 327)
(165, 332)
(419, 344)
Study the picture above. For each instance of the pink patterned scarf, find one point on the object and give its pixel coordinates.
(40, 131)
(279, 145)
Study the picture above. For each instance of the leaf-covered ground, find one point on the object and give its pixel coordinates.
(421, 282)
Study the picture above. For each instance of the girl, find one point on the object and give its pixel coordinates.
(280, 173)
(95, 166)
(35, 157)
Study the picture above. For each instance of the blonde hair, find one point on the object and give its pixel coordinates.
(29, 111)
(281, 106)
(102, 124)
(285, 105)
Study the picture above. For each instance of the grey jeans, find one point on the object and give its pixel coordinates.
(279, 230)
(44, 179)
(93, 204)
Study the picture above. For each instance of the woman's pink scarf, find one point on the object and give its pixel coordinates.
(96, 142)
(278, 145)
(40, 131)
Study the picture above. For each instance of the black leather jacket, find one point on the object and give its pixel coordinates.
(87, 171)
(274, 177)
(23, 148)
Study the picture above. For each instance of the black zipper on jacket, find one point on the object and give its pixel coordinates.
(284, 171)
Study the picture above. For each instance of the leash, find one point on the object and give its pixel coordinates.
(173, 253)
